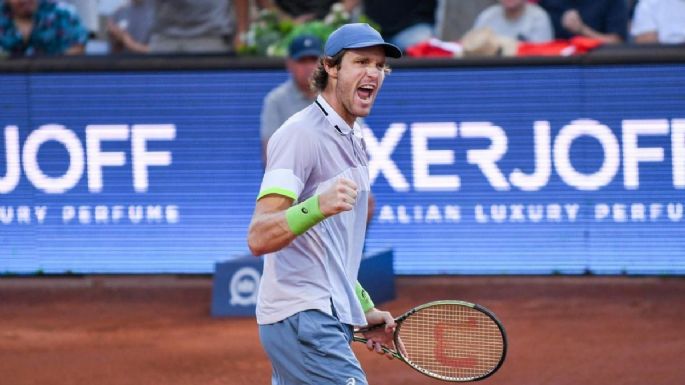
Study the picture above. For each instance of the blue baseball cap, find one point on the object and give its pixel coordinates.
(305, 45)
(358, 35)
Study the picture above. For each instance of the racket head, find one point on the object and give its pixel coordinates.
(453, 341)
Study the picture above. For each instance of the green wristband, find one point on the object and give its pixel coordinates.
(363, 297)
(304, 215)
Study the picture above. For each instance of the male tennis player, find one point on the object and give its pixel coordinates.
(310, 221)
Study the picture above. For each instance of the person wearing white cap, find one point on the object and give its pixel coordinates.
(310, 221)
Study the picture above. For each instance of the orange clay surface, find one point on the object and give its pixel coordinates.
(148, 330)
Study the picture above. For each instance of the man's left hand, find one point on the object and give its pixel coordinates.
(380, 336)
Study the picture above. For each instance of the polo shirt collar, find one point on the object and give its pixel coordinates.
(335, 120)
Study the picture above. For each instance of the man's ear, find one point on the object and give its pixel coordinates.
(332, 71)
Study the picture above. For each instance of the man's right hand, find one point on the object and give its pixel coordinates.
(340, 197)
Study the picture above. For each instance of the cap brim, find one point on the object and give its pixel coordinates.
(307, 53)
(391, 50)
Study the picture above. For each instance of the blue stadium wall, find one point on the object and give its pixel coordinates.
(539, 169)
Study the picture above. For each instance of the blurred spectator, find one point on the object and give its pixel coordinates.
(482, 42)
(198, 26)
(295, 93)
(604, 20)
(130, 25)
(40, 27)
(518, 20)
(659, 21)
(401, 22)
(454, 18)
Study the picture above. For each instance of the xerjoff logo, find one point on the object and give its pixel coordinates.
(351, 381)
(304, 210)
(92, 163)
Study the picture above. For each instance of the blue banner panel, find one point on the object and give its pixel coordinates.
(507, 170)
(236, 283)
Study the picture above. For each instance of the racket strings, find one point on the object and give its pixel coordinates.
(452, 341)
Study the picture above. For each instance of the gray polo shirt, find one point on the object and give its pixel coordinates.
(194, 18)
(136, 19)
(305, 156)
(280, 104)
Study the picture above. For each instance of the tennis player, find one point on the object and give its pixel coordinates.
(310, 221)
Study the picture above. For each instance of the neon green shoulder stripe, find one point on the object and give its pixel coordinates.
(279, 191)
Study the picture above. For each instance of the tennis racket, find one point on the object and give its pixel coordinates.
(453, 341)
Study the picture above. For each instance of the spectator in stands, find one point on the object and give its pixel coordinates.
(454, 18)
(659, 21)
(198, 26)
(604, 20)
(295, 93)
(129, 27)
(517, 19)
(401, 22)
(40, 27)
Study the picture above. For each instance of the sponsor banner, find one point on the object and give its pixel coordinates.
(525, 170)
(236, 282)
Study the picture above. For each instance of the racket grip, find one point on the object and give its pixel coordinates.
(368, 329)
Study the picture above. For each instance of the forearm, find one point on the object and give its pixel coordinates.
(269, 232)
(274, 228)
(275, 223)
(77, 49)
(135, 46)
(242, 17)
(647, 38)
(609, 38)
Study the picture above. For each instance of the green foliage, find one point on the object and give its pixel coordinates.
(270, 35)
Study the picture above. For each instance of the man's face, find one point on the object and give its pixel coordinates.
(302, 69)
(22, 8)
(358, 80)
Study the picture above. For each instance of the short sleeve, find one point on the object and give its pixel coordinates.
(291, 156)
(71, 28)
(644, 20)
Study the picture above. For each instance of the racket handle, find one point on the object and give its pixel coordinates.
(368, 329)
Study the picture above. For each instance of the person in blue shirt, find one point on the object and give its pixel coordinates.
(40, 27)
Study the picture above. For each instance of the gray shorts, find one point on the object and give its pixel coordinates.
(311, 348)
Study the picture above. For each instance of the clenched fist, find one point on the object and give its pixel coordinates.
(338, 198)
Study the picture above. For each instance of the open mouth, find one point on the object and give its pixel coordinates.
(365, 92)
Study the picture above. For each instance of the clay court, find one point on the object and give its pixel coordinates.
(110, 330)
